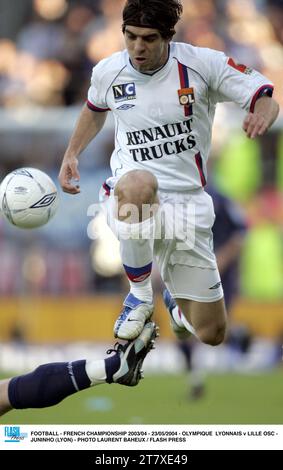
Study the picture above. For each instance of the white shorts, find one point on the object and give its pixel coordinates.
(183, 246)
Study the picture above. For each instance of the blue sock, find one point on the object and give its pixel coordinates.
(112, 364)
(48, 384)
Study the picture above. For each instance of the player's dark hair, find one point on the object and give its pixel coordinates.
(157, 14)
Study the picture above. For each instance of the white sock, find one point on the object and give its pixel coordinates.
(142, 290)
(188, 325)
(177, 315)
(96, 372)
(136, 247)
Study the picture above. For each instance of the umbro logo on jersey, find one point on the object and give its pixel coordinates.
(124, 107)
(125, 91)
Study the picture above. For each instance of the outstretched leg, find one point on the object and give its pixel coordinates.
(51, 383)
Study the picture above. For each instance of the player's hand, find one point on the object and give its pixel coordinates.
(69, 176)
(255, 124)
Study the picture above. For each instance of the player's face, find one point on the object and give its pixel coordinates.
(147, 49)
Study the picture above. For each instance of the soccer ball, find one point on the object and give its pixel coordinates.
(28, 198)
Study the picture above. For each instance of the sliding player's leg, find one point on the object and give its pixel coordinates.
(51, 383)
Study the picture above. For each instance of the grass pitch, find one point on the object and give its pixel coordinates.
(163, 399)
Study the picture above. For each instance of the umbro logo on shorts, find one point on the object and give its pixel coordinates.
(215, 286)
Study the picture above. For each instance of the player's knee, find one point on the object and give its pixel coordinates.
(213, 335)
(137, 187)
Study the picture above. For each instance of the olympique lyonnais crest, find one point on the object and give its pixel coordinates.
(186, 96)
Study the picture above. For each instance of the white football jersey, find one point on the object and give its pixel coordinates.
(164, 120)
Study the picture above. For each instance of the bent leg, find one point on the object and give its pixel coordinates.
(199, 296)
(136, 192)
(207, 318)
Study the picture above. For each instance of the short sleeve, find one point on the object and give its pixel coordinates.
(97, 94)
(230, 81)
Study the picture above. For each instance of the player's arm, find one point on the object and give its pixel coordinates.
(244, 86)
(87, 127)
(265, 112)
